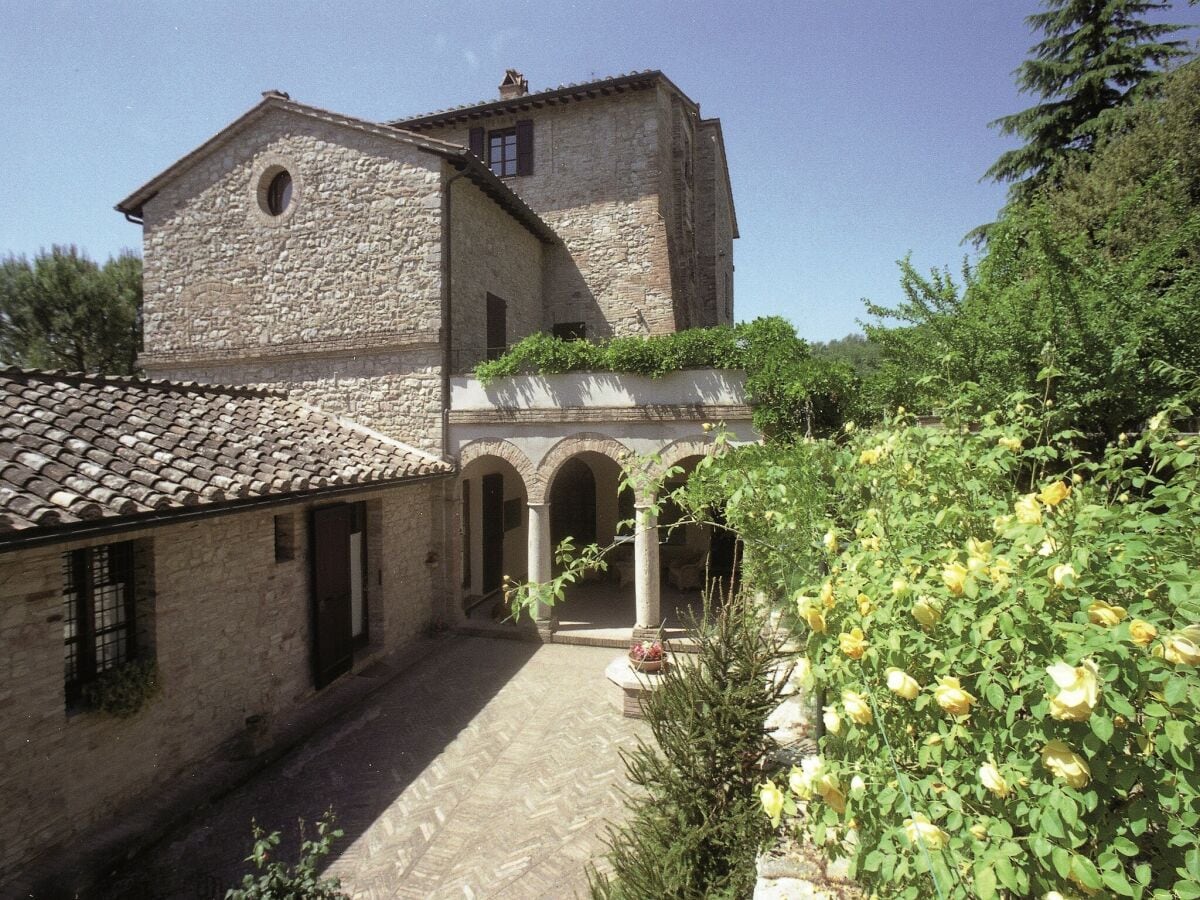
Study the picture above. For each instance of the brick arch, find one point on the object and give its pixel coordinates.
(672, 454)
(572, 446)
(502, 450)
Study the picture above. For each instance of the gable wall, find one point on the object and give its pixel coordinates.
(230, 629)
(714, 229)
(339, 298)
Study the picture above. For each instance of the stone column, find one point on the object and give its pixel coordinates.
(645, 564)
(540, 562)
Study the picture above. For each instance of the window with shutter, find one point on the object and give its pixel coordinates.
(509, 150)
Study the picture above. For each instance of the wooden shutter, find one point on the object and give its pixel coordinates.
(475, 142)
(497, 327)
(525, 147)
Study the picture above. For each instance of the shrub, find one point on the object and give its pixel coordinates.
(123, 691)
(696, 829)
(1007, 637)
(276, 880)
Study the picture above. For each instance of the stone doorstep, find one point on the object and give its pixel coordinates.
(69, 870)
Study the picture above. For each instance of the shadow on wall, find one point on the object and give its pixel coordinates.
(600, 389)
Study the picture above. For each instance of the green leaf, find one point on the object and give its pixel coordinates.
(1102, 727)
(985, 882)
(1085, 872)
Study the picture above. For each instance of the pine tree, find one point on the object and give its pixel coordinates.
(1094, 56)
(695, 825)
(63, 311)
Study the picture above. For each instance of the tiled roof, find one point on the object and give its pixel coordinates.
(564, 93)
(79, 450)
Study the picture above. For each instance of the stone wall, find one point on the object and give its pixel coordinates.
(714, 227)
(397, 392)
(596, 182)
(231, 637)
(491, 252)
(353, 266)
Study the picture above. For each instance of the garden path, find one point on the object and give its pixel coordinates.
(487, 769)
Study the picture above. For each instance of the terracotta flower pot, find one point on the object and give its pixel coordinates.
(648, 666)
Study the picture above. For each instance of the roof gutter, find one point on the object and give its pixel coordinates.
(76, 531)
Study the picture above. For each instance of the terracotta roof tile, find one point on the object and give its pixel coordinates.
(81, 448)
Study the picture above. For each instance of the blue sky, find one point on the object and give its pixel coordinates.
(856, 131)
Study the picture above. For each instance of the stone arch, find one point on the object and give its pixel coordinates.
(670, 455)
(569, 447)
(505, 451)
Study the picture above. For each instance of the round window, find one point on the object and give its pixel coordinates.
(279, 193)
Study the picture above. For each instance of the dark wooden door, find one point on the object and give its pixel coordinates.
(333, 642)
(493, 531)
(497, 327)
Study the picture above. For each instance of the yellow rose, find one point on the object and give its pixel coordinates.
(951, 697)
(871, 543)
(831, 792)
(830, 541)
(927, 611)
(1010, 443)
(1078, 690)
(1028, 510)
(979, 549)
(853, 644)
(921, 831)
(955, 577)
(812, 615)
(1055, 493)
(990, 778)
(827, 599)
(1100, 613)
(901, 683)
(1181, 650)
(999, 571)
(872, 456)
(899, 587)
(1142, 632)
(864, 605)
(978, 831)
(858, 787)
(858, 708)
(833, 722)
(1066, 764)
(999, 523)
(1063, 575)
(771, 799)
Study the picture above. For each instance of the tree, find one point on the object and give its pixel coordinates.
(65, 311)
(1094, 57)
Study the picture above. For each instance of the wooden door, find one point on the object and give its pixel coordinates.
(333, 642)
(493, 531)
(497, 327)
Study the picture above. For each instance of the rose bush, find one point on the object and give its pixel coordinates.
(1018, 692)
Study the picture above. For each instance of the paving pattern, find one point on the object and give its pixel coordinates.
(486, 770)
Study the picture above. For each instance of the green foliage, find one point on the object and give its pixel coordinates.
(1058, 590)
(1104, 271)
(1085, 71)
(276, 880)
(695, 828)
(63, 311)
(124, 690)
(793, 391)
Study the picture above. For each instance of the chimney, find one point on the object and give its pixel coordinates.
(514, 85)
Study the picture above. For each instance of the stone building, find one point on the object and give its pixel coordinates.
(311, 475)
(368, 267)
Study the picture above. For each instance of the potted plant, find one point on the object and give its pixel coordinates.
(647, 656)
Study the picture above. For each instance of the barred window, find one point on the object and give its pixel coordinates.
(99, 613)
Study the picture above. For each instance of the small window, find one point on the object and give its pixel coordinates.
(279, 193)
(502, 151)
(571, 331)
(285, 537)
(99, 613)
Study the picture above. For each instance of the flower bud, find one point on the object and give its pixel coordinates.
(858, 708)
(901, 683)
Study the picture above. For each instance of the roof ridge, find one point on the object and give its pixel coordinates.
(534, 95)
(246, 390)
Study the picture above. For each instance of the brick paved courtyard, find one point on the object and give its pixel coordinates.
(486, 770)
